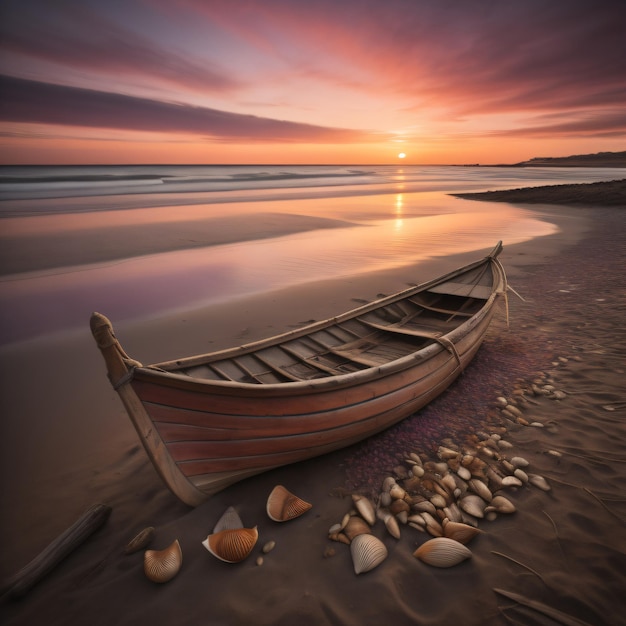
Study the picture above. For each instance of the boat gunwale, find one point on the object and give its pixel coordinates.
(154, 373)
(158, 371)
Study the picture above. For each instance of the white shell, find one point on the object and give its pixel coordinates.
(442, 552)
(502, 505)
(282, 505)
(230, 520)
(367, 553)
(365, 508)
(391, 523)
(162, 565)
(481, 489)
(464, 473)
(473, 504)
(518, 461)
(511, 481)
(538, 481)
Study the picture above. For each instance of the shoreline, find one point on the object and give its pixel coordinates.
(300, 578)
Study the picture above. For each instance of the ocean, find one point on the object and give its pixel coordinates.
(139, 241)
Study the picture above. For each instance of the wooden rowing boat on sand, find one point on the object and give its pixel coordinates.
(211, 420)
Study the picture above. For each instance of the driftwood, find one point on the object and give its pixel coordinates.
(61, 547)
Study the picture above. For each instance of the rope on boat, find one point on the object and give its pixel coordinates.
(450, 347)
(124, 379)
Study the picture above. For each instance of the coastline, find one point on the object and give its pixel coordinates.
(571, 310)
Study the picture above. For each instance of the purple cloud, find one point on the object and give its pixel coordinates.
(22, 102)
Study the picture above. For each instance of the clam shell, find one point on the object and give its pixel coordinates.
(463, 533)
(233, 544)
(538, 481)
(502, 505)
(140, 541)
(356, 526)
(511, 481)
(481, 489)
(391, 523)
(519, 461)
(442, 552)
(464, 473)
(162, 565)
(365, 508)
(473, 504)
(230, 520)
(396, 492)
(282, 505)
(367, 552)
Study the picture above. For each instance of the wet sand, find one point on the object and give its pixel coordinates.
(562, 550)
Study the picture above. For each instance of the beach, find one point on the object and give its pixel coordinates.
(560, 558)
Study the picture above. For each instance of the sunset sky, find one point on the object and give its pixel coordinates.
(298, 81)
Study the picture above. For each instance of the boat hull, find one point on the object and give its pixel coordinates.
(204, 435)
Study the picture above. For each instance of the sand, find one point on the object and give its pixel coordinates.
(562, 551)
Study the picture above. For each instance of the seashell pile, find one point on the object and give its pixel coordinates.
(160, 566)
(282, 505)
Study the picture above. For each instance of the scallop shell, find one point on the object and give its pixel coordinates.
(367, 552)
(365, 508)
(442, 552)
(140, 541)
(463, 533)
(282, 505)
(230, 520)
(356, 526)
(233, 544)
(162, 565)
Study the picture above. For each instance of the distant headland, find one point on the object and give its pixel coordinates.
(600, 159)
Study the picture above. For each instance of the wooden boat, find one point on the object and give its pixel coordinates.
(208, 421)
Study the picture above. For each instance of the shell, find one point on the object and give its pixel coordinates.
(538, 481)
(511, 481)
(442, 552)
(473, 504)
(162, 565)
(282, 505)
(388, 483)
(365, 508)
(519, 461)
(269, 546)
(464, 473)
(463, 533)
(501, 505)
(481, 489)
(232, 545)
(396, 492)
(229, 521)
(356, 526)
(438, 501)
(140, 540)
(367, 553)
(391, 523)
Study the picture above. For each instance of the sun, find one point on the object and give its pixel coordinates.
(402, 155)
